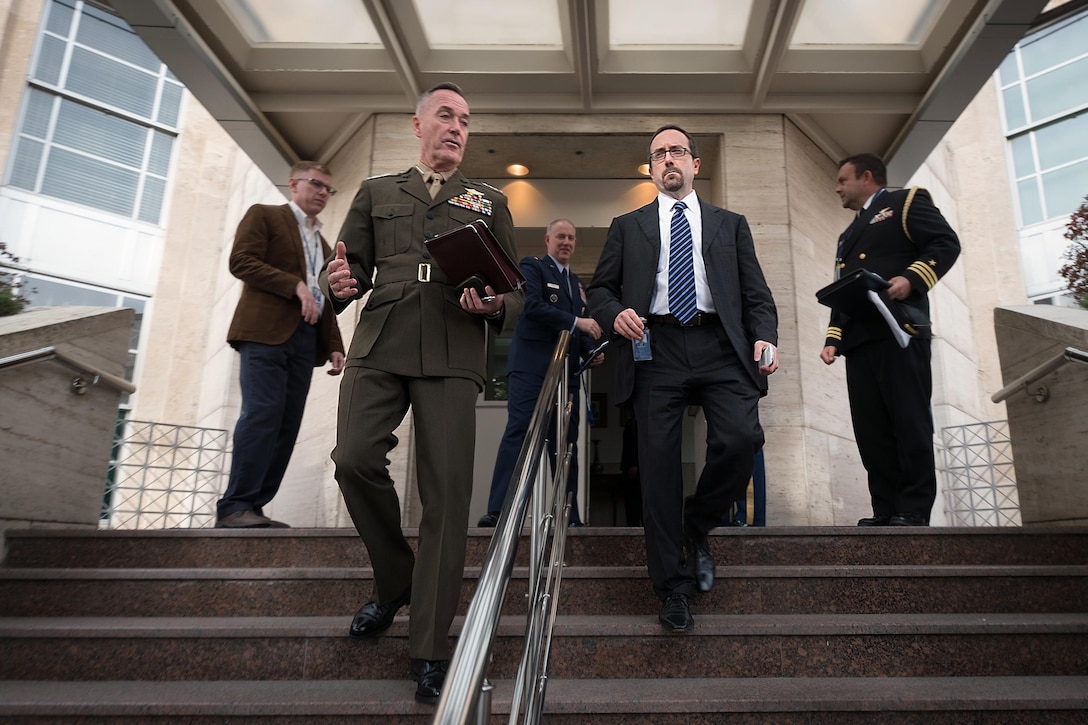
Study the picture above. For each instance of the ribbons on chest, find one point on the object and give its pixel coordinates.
(474, 201)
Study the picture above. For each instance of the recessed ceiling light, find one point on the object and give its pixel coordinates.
(517, 170)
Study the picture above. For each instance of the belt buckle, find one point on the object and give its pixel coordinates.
(424, 272)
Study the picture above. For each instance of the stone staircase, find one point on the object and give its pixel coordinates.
(805, 625)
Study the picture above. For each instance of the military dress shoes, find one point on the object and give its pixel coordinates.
(429, 676)
(874, 521)
(489, 520)
(908, 520)
(373, 618)
(244, 519)
(675, 615)
(702, 562)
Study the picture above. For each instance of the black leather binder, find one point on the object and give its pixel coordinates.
(863, 294)
(850, 294)
(474, 258)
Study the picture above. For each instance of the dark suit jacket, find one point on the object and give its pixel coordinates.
(742, 299)
(550, 308)
(410, 327)
(268, 257)
(901, 234)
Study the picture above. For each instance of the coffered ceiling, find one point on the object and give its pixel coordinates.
(292, 79)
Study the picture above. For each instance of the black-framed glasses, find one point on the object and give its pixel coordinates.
(676, 152)
(318, 184)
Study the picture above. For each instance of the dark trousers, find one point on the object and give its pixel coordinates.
(759, 496)
(890, 389)
(275, 380)
(691, 366)
(524, 389)
(372, 404)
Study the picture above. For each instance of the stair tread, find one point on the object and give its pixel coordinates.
(606, 625)
(569, 572)
(323, 697)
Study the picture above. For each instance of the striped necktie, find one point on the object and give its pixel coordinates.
(682, 303)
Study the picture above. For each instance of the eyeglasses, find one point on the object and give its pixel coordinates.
(319, 185)
(676, 152)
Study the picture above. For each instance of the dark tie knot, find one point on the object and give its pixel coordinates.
(679, 207)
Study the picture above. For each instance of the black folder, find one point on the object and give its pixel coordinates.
(863, 294)
(472, 257)
(850, 294)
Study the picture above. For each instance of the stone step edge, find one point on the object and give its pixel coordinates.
(355, 697)
(781, 625)
(605, 531)
(723, 571)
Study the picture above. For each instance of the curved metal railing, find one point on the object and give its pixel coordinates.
(79, 385)
(1069, 354)
(466, 696)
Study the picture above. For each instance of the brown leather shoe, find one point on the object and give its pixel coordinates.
(244, 519)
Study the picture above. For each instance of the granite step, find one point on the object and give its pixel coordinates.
(678, 701)
(590, 546)
(584, 647)
(208, 592)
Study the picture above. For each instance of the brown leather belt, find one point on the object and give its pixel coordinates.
(701, 318)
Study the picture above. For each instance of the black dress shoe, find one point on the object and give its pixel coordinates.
(429, 676)
(908, 520)
(698, 549)
(874, 521)
(489, 520)
(373, 618)
(675, 614)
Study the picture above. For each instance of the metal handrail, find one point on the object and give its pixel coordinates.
(465, 690)
(51, 353)
(1069, 354)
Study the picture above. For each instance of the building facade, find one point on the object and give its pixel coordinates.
(118, 187)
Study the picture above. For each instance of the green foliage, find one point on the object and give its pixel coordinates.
(1075, 270)
(10, 301)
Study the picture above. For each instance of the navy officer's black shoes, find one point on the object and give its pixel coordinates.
(429, 676)
(373, 618)
(908, 519)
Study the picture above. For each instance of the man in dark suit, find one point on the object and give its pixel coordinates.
(419, 342)
(283, 329)
(901, 236)
(554, 301)
(685, 274)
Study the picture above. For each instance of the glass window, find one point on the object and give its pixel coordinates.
(109, 34)
(94, 154)
(1059, 90)
(59, 18)
(1031, 207)
(1022, 155)
(114, 139)
(159, 160)
(39, 107)
(50, 61)
(151, 200)
(1015, 113)
(25, 163)
(170, 104)
(1060, 143)
(1065, 188)
(111, 82)
(89, 181)
(1009, 71)
(1057, 46)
